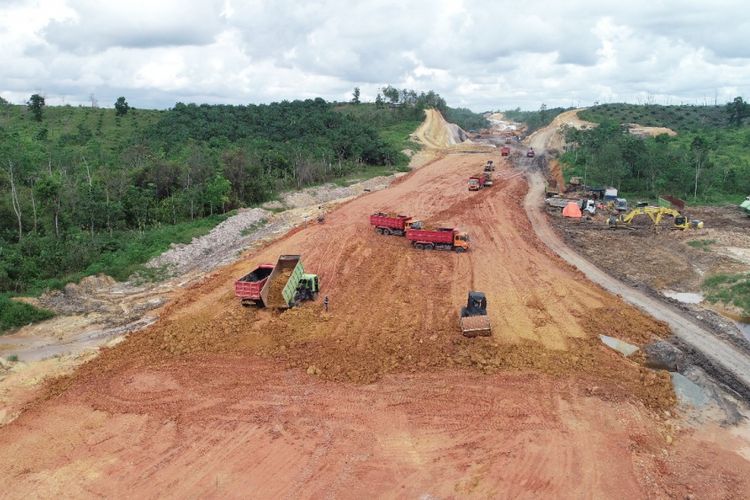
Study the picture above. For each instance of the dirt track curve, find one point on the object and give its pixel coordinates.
(381, 396)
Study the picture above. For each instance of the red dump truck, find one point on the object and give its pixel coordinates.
(505, 151)
(392, 224)
(444, 238)
(477, 182)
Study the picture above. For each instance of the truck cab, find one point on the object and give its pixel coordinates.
(475, 184)
(460, 241)
(308, 287)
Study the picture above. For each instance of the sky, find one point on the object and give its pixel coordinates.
(483, 55)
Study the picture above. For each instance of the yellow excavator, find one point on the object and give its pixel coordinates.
(656, 214)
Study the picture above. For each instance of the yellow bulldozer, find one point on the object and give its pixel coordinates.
(656, 214)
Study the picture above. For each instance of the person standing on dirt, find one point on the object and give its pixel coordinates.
(325, 303)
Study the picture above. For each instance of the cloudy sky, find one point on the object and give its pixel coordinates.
(478, 54)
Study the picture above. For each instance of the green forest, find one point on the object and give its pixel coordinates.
(86, 190)
(708, 161)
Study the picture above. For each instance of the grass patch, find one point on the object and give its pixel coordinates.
(704, 245)
(398, 134)
(14, 314)
(12, 358)
(369, 173)
(253, 227)
(730, 289)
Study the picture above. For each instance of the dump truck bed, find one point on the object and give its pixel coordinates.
(249, 286)
(474, 326)
(282, 284)
(390, 221)
(444, 236)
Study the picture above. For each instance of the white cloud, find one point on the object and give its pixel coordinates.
(487, 55)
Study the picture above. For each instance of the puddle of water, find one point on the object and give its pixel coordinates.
(618, 345)
(684, 297)
(689, 392)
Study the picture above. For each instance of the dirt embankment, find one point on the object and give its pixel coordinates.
(550, 138)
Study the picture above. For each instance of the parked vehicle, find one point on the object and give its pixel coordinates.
(505, 151)
(477, 182)
(444, 238)
(473, 319)
(282, 285)
(392, 224)
(530, 153)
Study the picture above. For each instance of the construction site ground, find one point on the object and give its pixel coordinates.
(665, 260)
(381, 395)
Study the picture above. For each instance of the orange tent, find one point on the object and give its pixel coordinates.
(572, 210)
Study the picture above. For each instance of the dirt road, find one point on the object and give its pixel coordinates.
(381, 396)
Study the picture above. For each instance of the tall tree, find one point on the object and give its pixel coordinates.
(355, 96)
(121, 106)
(36, 105)
(699, 148)
(737, 110)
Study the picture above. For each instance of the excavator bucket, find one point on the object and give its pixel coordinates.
(476, 326)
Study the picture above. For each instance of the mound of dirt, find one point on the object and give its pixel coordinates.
(437, 133)
(550, 137)
(643, 131)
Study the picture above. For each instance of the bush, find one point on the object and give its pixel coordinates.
(14, 314)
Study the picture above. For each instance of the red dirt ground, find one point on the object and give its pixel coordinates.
(381, 395)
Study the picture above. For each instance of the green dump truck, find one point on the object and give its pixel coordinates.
(281, 286)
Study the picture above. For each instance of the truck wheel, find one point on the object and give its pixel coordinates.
(419, 246)
(429, 246)
(387, 231)
(460, 249)
(379, 230)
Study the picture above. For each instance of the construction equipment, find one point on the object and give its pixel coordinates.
(477, 182)
(619, 204)
(610, 194)
(550, 188)
(444, 238)
(530, 153)
(656, 214)
(490, 166)
(505, 151)
(393, 224)
(281, 286)
(488, 179)
(474, 320)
